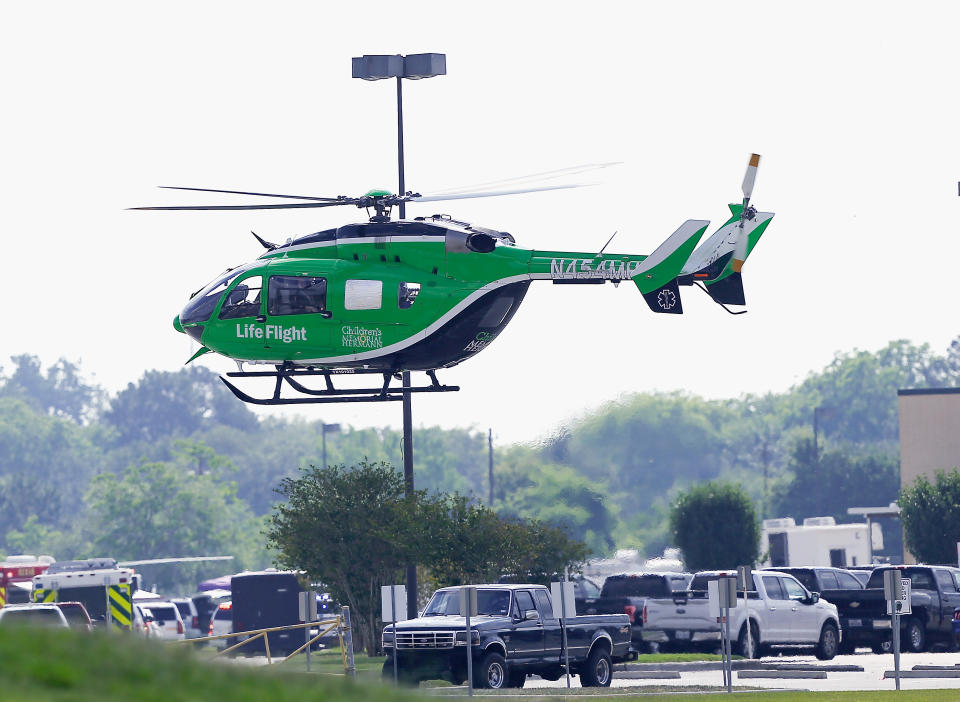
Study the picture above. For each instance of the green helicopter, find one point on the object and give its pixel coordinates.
(422, 294)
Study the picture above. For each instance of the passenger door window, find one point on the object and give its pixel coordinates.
(828, 580)
(793, 589)
(296, 294)
(848, 582)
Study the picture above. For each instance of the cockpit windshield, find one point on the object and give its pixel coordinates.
(489, 602)
(202, 304)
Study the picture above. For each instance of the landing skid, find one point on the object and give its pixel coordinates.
(291, 375)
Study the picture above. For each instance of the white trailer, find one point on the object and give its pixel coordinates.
(820, 541)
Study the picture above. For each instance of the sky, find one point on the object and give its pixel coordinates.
(853, 107)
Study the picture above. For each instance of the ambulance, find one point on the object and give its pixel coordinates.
(104, 588)
(16, 577)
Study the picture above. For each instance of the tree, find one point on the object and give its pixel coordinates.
(60, 392)
(354, 530)
(715, 526)
(45, 466)
(558, 495)
(161, 510)
(351, 529)
(828, 483)
(930, 514)
(163, 404)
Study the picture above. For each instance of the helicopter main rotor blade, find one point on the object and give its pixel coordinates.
(289, 206)
(492, 193)
(242, 192)
(534, 177)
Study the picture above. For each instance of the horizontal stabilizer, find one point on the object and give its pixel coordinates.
(665, 300)
(663, 265)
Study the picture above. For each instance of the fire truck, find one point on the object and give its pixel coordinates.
(104, 588)
(16, 576)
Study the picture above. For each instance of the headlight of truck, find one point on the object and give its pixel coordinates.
(461, 639)
(387, 639)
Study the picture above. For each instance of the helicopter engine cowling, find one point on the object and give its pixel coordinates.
(464, 242)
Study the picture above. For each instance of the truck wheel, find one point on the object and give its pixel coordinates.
(598, 672)
(829, 642)
(491, 673)
(517, 678)
(885, 646)
(916, 636)
(754, 641)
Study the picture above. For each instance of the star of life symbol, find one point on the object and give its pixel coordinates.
(666, 299)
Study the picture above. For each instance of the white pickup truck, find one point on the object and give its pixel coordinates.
(782, 613)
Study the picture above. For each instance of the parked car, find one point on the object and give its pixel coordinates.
(143, 623)
(190, 616)
(829, 582)
(76, 615)
(782, 613)
(935, 594)
(651, 601)
(167, 618)
(47, 615)
(206, 604)
(222, 623)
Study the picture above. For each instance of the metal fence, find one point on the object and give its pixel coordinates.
(340, 623)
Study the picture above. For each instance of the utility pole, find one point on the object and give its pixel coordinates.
(490, 466)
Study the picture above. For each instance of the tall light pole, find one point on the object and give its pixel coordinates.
(413, 67)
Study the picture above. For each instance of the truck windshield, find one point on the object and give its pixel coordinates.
(489, 602)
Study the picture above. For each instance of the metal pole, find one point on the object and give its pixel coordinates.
(393, 613)
(324, 433)
(306, 640)
(348, 631)
(729, 654)
(895, 622)
(490, 467)
(563, 627)
(408, 482)
(723, 647)
(469, 651)
(403, 187)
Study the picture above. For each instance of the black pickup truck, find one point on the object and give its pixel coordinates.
(513, 635)
(935, 592)
(652, 601)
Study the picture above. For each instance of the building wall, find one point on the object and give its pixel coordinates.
(929, 434)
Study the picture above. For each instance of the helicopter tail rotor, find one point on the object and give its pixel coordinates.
(716, 265)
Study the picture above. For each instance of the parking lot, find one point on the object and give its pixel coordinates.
(870, 678)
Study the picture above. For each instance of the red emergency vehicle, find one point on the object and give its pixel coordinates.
(16, 577)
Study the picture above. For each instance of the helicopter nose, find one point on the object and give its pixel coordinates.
(177, 325)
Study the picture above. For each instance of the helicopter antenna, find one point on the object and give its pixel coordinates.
(606, 245)
(266, 244)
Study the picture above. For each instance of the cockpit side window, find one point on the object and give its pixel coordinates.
(296, 294)
(243, 300)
